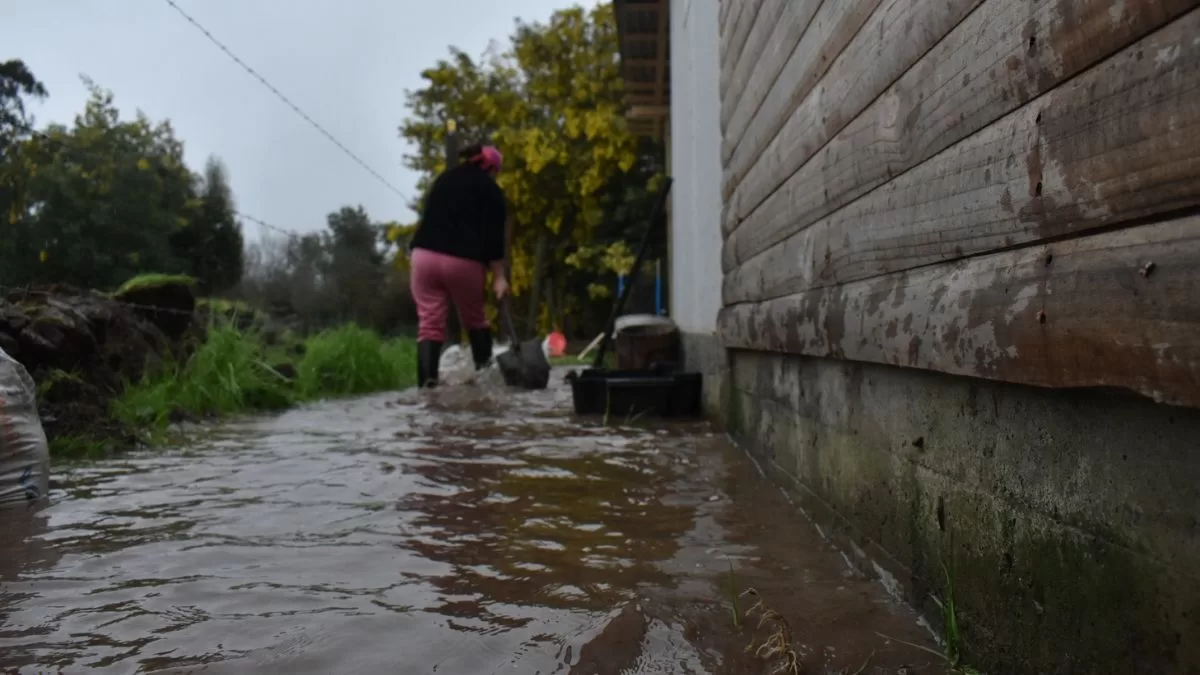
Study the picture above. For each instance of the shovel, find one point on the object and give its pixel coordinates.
(524, 364)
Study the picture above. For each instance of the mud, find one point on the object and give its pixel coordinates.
(473, 531)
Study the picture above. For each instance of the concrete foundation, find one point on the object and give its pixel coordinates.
(1067, 523)
(703, 353)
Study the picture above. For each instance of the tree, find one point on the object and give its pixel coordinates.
(355, 266)
(211, 242)
(106, 199)
(553, 103)
(17, 83)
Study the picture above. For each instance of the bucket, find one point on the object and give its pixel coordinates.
(644, 341)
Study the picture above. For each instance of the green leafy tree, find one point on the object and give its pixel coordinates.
(355, 261)
(211, 242)
(17, 84)
(105, 199)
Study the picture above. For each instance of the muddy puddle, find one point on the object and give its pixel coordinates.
(470, 532)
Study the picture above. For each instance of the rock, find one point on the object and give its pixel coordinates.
(80, 346)
(167, 301)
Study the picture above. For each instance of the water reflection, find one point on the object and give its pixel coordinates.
(473, 531)
(569, 520)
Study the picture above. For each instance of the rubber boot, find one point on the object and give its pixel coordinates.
(481, 346)
(428, 355)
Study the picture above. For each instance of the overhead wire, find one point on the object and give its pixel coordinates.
(287, 101)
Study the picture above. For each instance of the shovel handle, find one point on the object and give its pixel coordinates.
(506, 318)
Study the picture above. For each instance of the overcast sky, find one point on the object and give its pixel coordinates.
(344, 62)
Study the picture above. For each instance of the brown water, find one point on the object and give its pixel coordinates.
(464, 533)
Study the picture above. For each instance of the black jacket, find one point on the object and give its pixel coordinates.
(464, 216)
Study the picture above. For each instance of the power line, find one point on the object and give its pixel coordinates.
(285, 99)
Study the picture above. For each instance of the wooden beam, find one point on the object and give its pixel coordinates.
(1110, 310)
(648, 111)
(728, 22)
(737, 42)
(1117, 143)
(786, 34)
(832, 28)
(664, 32)
(894, 38)
(983, 70)
(748, 60)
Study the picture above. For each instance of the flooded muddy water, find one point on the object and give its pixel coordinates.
(468, 532)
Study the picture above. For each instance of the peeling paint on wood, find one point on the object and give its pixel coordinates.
(998, 59)
(1087, 319)
(831, 29)
(895, 37)
(1118, 143)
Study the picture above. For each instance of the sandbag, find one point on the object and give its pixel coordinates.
(24, 453)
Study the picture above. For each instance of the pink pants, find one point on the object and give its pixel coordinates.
(439, 279)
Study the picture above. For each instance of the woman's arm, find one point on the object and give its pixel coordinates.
(495, 232)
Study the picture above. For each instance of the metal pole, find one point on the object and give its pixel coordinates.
(658, 287)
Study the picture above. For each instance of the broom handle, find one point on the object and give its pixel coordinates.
(660, 205)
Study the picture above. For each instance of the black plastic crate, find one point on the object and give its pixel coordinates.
(635, 393)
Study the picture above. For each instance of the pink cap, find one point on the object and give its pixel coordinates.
(490, 158)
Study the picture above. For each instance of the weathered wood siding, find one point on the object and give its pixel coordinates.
(1003, 189)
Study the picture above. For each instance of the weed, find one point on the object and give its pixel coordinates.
(778, 644)
(53, 379)
(952, 650)
(734, 597)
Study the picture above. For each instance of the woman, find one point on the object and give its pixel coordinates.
(460, 238)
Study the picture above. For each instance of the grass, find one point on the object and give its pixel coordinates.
(236, 372)
(153, 280)
(350, 360)
(72, 446)
(952, 650)
(734, 596)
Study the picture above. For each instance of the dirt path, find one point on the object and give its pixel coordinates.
(468, 533)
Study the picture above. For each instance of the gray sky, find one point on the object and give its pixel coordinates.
(344, 62)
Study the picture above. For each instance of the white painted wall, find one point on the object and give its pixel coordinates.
(695, 149)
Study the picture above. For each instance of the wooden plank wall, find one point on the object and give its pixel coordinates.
(1006, 189)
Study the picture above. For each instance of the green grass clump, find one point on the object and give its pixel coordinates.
(153, 280)
(352, 360)
(229, 373)
(235, 371)
(73, 446)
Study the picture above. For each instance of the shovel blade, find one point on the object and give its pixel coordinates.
(525, 366)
